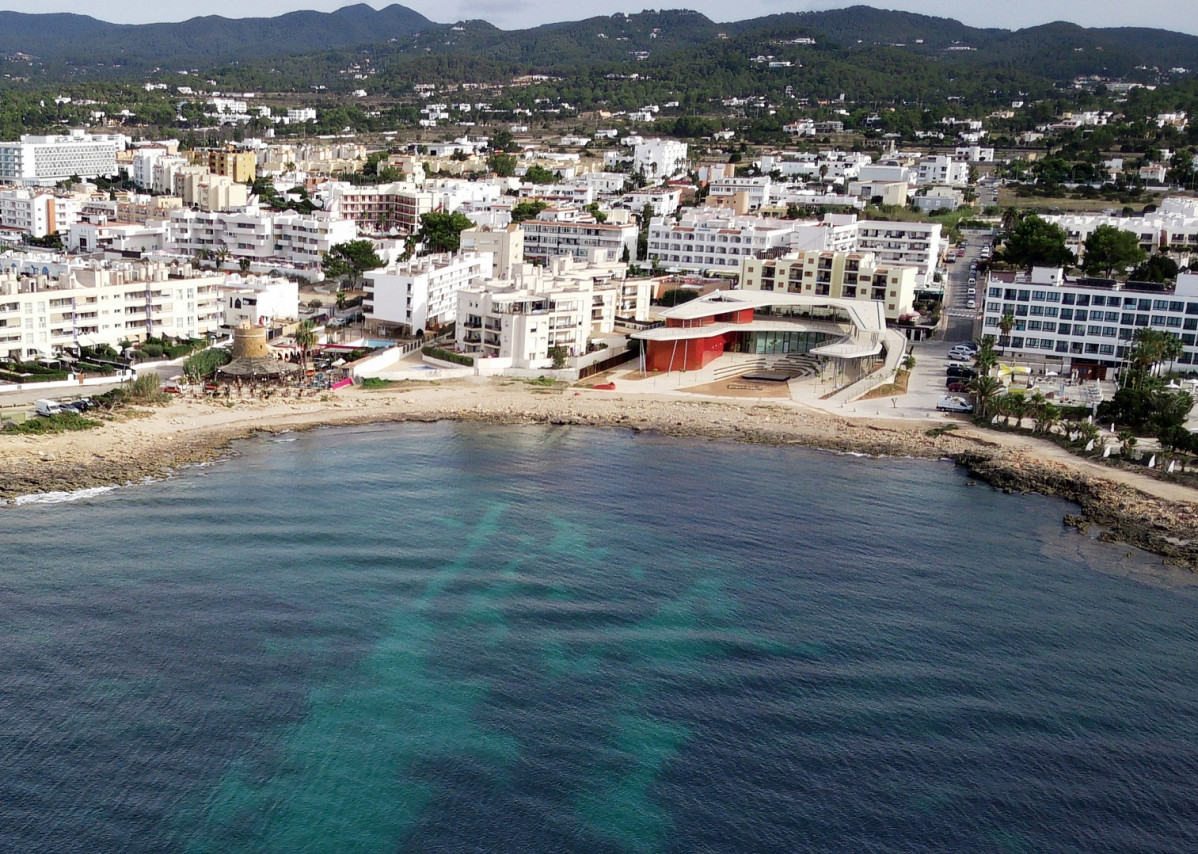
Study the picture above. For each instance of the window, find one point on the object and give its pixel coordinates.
(1066, 314)
(1079, 314)
(1067, 299)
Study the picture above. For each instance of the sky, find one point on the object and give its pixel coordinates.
(1177, 15)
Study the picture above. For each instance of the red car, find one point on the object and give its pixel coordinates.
(958, 385)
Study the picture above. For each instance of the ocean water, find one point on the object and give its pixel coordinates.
(451, 638)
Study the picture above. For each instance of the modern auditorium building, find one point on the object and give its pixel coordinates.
(850, 332)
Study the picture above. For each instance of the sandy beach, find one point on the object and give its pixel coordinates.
(1158, 515)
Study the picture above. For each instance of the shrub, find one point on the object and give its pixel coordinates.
(205, 363)
(145, 389)
(61, 423)
(447, 356)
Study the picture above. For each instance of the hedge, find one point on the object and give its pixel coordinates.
(447, 356)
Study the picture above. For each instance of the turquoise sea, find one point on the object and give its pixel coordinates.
(453, 638)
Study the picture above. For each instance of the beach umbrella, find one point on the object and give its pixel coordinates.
(1106, 452)
(1152, 462)
(1090, 445)
(1171, 464)
(1051, 374)
(994, 420)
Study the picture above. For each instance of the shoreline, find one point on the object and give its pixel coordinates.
(1156, 516)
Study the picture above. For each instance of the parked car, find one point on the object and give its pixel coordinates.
(956, 384)
(46, 408)
(961, 371)
(954, 404)
(971, 304)
(960, 356)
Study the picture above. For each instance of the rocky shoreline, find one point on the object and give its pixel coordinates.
(134, 453)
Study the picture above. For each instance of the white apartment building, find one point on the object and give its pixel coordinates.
(95, 232)
(141, 169)
(165, 168)
(288, 238)
(90, 303)
(46, 160)
(506, 245)
(831, 165)
(1086, 325)
(707, 239)
(37, 214)
(664, 202)
(557, 232)
(942, 169)
(756, 191)
(659, 159)
(421, 293)
(909, 244)
(974, 154)
(576, 194)
(257, 300)
(562, 305)
(1172, 227)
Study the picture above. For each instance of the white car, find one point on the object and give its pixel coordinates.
(960, 356)
(971, 304)
(972, 292)
(953, 404)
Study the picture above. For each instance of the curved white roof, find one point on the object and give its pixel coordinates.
(867, 320)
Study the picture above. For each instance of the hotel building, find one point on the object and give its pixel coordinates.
(1086, 325)
(55, 304)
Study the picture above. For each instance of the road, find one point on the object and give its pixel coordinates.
(959, 319)
(23, 400)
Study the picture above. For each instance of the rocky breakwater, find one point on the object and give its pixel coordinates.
(1167, 528)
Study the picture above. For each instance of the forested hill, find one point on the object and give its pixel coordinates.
(78, 41)
(307, 48)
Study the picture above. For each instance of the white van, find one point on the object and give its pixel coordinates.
(47, 408)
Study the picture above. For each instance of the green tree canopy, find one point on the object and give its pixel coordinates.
(1109, 249)
(538, 174)
(1158, 268)
(442, 232)
(501, 141)
(503, 165)
(1034, 242)
(350, 260)
(527, 209)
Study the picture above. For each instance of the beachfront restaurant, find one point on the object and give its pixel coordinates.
(848, 333)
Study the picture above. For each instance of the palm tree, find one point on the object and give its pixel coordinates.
(985, 391)
(1044, 413)
(342, 299)
(1016, 406)
(305, 337)
(1127, 441)
(1010, 218)
(1006, 323)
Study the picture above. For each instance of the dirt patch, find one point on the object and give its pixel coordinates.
(894, 389)
(739, 387)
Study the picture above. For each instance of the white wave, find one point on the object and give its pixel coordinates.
(62, 497)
